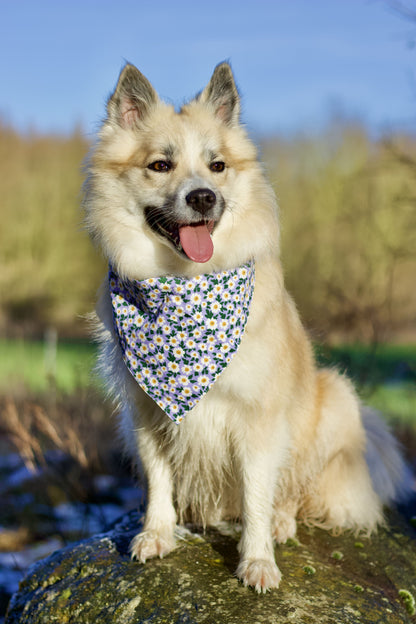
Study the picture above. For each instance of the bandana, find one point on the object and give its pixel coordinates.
(177, 335)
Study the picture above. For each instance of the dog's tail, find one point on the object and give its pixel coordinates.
(392, 478)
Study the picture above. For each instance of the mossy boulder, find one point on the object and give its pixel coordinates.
(326, 580)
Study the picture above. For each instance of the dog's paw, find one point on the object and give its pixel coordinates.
(284, 527)
(150, 544)
(261, 574)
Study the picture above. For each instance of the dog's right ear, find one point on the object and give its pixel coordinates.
(132, 99)
(222, 96)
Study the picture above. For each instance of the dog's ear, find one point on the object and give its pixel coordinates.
(222, 95)
(132, 99)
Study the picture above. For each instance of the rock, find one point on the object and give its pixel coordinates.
(326, 579)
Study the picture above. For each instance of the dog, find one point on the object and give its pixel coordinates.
(203, 348)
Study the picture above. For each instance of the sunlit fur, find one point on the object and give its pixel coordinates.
(275, 439)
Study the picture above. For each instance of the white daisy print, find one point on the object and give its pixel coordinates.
(211, 323)
(177, 351)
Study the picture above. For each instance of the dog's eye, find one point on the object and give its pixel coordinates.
(217, 166)
(160, 165)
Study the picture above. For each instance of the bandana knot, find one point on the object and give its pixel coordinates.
(177, 334)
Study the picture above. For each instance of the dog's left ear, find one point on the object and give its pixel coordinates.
(222, 95)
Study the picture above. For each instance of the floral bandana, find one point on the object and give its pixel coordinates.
(177, 335)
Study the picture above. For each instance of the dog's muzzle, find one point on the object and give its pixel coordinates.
(190, 233)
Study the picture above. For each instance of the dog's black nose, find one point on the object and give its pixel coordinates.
(201, 200)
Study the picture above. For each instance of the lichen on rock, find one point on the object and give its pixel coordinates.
(96, 581)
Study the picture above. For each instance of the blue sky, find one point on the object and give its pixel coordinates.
(295, 61)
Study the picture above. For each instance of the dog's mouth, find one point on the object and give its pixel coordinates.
(192, 240)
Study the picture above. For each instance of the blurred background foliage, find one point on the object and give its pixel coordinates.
(348, 214)
(49, 269)
(348, 211)
(348, 220)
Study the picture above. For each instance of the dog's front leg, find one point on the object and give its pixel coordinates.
(157, 537)
(259, 466)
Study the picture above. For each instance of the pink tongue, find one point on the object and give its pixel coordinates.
(196, 242)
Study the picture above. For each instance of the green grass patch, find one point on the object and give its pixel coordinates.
(385, 377)
(373, 364)
(396, 401)
(39, 366)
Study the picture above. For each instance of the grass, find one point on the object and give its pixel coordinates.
(37, 366)
(396, 401)
(384, 375)
(374, 364)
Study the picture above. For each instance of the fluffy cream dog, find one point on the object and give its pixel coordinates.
(182, 196)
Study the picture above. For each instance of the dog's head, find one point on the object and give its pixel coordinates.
(177, 192)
